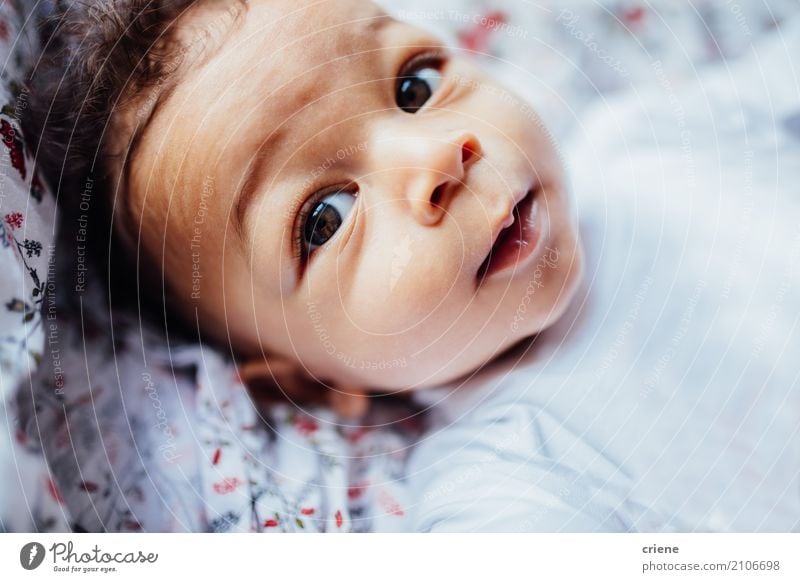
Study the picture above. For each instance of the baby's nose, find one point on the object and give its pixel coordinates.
(431, 171)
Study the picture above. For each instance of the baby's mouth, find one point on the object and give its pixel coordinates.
(516, 242)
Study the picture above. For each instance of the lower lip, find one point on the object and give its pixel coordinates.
(516, 243)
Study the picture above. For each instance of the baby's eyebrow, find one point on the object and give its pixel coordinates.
(374, 24)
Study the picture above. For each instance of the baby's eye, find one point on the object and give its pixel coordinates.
(419, 81)
(325, 217)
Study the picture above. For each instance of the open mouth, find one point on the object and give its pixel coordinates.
(516, 242)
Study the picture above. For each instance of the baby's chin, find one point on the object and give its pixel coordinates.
(425, 377)
(432, 373)
(526, 330)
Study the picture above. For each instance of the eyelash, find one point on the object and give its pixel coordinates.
(298, 248)
(431, 57)
(435, 57)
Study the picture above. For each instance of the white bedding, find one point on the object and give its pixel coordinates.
(668, 398)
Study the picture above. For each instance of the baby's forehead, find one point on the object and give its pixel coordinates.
(255, 71)
(309, 30)
(232, 53)
(307, 38)
(310, 48)
(283, 64)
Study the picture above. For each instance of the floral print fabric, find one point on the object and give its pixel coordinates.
(173, 442)
(27, 215)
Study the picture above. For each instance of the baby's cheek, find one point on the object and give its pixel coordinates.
(405, 291)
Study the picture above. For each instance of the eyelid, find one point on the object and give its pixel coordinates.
(435, 57)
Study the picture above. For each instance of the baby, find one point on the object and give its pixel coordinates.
(335, 195)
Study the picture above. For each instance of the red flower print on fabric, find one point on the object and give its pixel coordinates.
(227, 485)
(389, 504)
(52, 488)
(14, 219)
(357, 434)
(633, 16)
(14, 145)
(356, 490)
(477, 37)
(305, 426)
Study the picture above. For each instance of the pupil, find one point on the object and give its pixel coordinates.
(413, 93)
(324, 223)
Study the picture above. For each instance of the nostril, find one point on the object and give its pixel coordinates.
(438, 194)
(467, 151)
(470, 148)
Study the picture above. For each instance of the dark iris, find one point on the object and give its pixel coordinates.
(412, 93)
(322, 224)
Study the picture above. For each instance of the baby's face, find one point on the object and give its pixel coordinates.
(337, 187)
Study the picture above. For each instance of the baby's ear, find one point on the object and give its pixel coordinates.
(276, 378)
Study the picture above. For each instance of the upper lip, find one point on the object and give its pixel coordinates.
(507, 218)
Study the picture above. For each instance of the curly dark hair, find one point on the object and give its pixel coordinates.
(100, 57)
